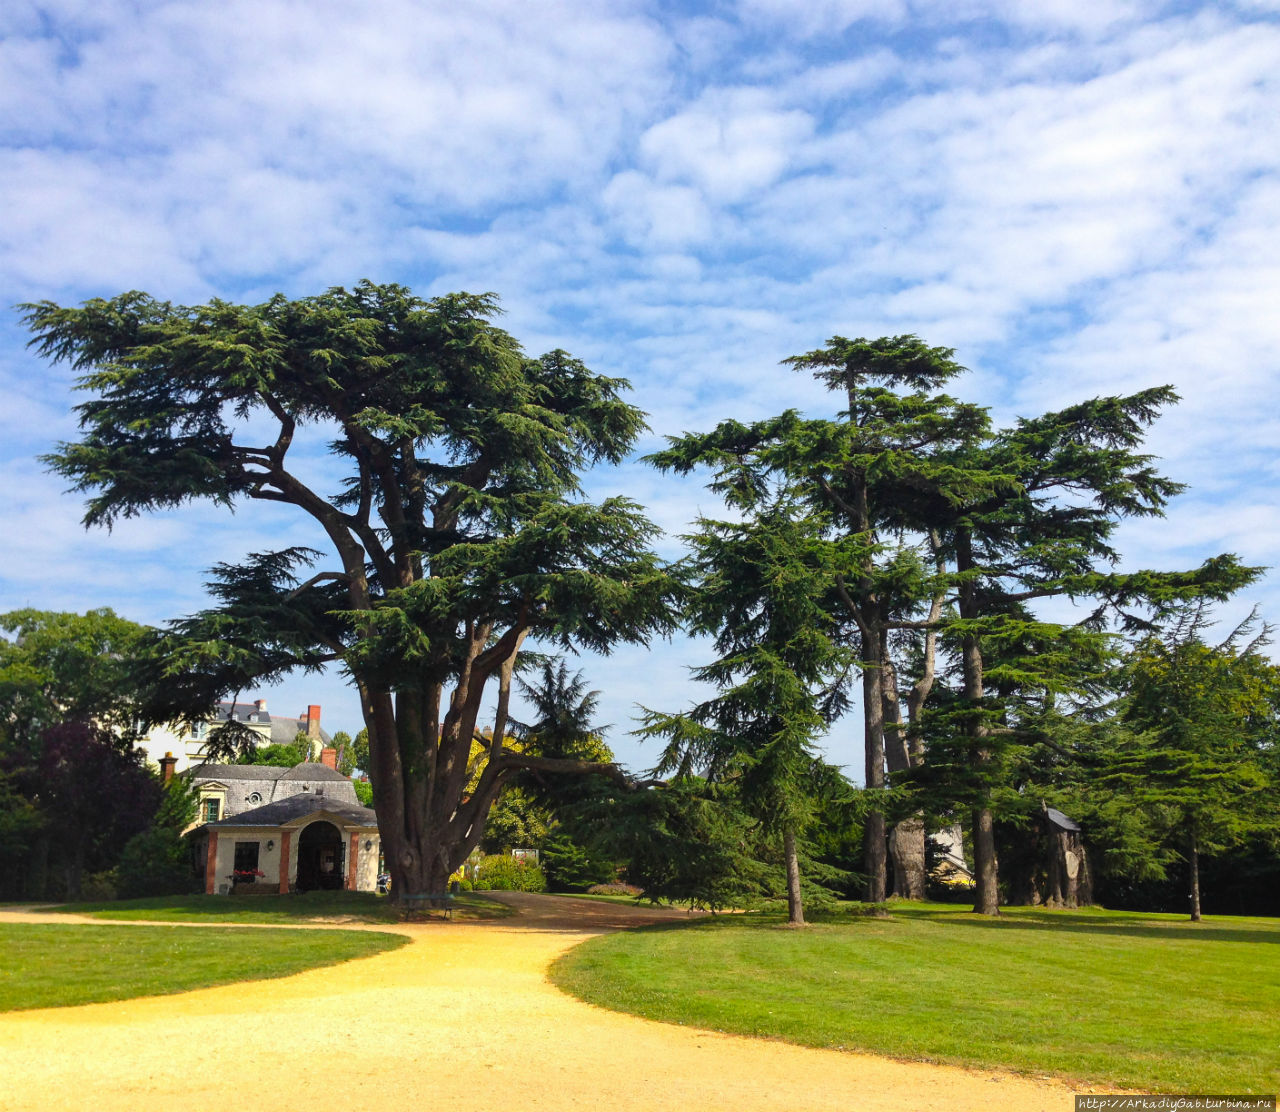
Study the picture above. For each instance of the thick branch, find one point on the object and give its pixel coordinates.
(319, 578)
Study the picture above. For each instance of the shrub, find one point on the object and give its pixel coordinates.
(571, 867)
(100, 887)
(509, 874)
(614, 890)
(155, 863)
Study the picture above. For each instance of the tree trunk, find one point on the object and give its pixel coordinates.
(907, 838)
(986, 897)
(1067, 867)
(1195, 880)
(795, 909)
(875, 856)
(37, 886)
(75, 872)
(987, 900)
(907, 848)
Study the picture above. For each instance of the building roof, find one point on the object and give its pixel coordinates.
(307, 770)
(285, 811)
(284, 728)
(1061, 821)
(243, 772)
(312, 770)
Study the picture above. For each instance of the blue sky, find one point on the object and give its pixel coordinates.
(1079, 198)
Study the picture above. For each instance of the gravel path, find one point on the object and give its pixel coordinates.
(461, 1019)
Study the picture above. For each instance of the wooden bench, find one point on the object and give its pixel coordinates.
(429, 901)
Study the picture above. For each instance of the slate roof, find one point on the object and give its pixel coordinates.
(1061, 821)
(312, 770)
(283, 727)
(249, 785)
(244, 772)
(299, 806)
(307, 770)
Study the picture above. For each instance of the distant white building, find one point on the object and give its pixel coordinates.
(186, 741)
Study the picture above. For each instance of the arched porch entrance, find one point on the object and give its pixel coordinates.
(321, 857)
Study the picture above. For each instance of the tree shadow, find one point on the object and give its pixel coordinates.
(1085, 922)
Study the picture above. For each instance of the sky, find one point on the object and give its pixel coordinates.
(1079, 198)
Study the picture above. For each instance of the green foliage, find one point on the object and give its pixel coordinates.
(70, 793)
(759, 588)
(459, 531)
(61, 667)
(503, 873)
(516, 821)
(688, 841)
(157, 861)
(360, 750)
(570, 867)
(346, 762)
(364, 792)
(543, 810)
(1198, 759)
(21, 826)
(285, 756)
(103, 886)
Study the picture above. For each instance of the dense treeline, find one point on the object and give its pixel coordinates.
(900, 571)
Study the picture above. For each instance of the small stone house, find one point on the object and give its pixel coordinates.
(267, 828)
(298, 844)
(227, 790)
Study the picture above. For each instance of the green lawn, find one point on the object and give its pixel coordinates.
(1149, 1002)
(48, 966)
(335, 907)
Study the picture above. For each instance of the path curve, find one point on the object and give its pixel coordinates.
(461, 1019)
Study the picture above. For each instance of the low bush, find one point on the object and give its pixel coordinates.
(155, 863)
(571, 867)
(613, 890)
(498, 873)
(100, 887)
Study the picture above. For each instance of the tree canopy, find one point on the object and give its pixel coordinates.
(455, 530)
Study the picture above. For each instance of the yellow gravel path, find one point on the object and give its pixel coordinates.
(461, 1019)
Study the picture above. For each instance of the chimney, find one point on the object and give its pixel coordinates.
(329, 757)
(313, 721)
(260, 704)
(167, 764)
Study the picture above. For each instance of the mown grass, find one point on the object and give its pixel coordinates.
(1149, 1002)
(335, 907)
(53, 965)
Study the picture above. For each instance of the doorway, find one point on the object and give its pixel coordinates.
(321, 858)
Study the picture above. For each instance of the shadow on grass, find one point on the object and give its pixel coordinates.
(335, 907)
(1099, 921)
(1088, 922)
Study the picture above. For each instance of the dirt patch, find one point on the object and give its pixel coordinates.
(463, 1018)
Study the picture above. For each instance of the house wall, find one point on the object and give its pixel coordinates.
(177, 740)
(367, 862)
(268, 859)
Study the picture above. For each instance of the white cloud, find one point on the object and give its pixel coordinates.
(1079, 198)
(656, 217)
(731, 145)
